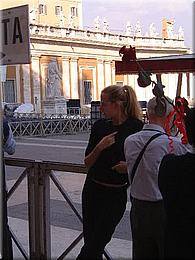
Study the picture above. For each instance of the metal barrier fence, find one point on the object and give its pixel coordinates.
(38, 175)
(50, 126)
(35, 124)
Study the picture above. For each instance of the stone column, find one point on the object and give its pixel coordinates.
(66, 77)
(18, 84)
(94, 84)
(125, 79)
(107, 70)
(74, 78)
(35, 68)
(100, 77)
(131, 80)
(26, 83)
(113, 73)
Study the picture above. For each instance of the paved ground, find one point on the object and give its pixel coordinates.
(64, 224)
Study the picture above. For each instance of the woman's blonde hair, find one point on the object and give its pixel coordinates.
(127, 97)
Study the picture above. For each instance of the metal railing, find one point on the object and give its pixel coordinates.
(39, 174)
(50, 126)
(35, 124)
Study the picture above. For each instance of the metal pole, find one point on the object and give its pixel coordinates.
(1, 172)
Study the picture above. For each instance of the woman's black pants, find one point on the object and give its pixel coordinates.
(103, 207)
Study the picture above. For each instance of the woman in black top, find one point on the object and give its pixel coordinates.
(104, 195)
(177, 185)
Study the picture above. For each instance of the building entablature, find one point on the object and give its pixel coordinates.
(99, 38)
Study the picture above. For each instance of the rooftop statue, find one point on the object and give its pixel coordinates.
(129, 29)
(138, 29)
(170, 30)
(105, 25)
(97, 23)
(152, 30)
(180, 33)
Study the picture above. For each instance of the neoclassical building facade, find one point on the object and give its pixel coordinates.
(85, 59)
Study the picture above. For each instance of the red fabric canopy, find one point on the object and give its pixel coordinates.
(164, 64)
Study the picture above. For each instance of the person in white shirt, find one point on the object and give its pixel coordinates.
(147, 213)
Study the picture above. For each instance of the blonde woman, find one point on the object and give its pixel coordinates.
(104, 195)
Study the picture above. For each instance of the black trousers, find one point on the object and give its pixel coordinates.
(148, 229)
(103, 207)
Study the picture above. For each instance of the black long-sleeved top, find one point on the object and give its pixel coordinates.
(102, 168)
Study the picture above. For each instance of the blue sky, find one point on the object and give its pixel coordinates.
(118, 12)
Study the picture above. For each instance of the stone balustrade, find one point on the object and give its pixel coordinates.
(44, 31)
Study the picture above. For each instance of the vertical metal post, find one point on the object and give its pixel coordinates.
(179, 84)
(188, 84)
(1, 170)
(39, 213)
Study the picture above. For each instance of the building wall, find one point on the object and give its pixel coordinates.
(63, 19)
(83, 56)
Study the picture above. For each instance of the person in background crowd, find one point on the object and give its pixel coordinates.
(8, 146)
(144, 151)
(104, 195)
(177, 186)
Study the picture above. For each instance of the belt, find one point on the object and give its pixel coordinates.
(110, 185)
(154, 202)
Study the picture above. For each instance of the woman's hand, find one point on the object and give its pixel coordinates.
(121, 167)
(106, 141)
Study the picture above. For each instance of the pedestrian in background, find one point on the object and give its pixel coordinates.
(144, 151)
(177, 186)
(104, 194)
(8, 146)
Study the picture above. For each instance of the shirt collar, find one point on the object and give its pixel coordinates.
(154, 127)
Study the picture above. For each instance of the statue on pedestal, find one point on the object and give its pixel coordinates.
(170, 30)
(105, 25)
(138, 30)
(129, 30)
(97, 23)
(152, 30)
(54, 78)
(180, 33)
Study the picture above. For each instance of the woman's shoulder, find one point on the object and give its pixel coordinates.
(101, 124)
(135, 122)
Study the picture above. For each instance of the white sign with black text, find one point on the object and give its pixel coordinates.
(14, 31)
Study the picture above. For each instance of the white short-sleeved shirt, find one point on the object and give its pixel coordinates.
(145, 182)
